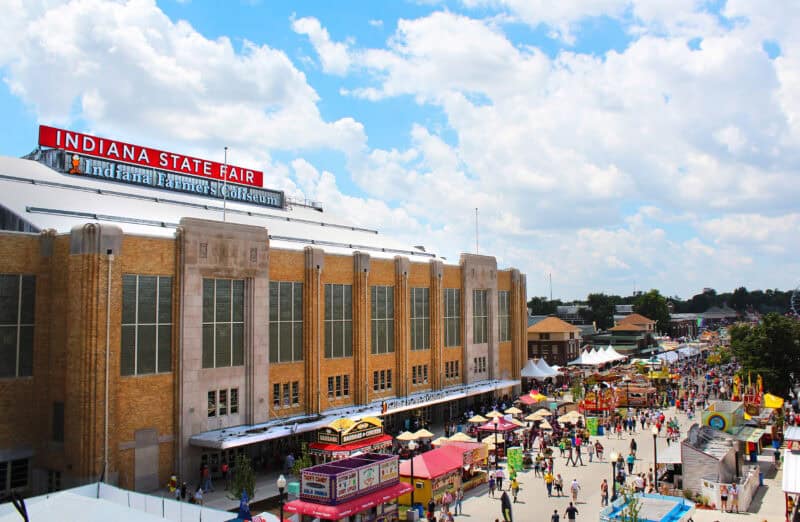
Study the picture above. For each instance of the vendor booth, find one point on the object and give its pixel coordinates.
(343, 438)
(495, 430)
(435, 472)
(364, 488)
(725, 416)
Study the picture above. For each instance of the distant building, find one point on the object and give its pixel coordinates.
(683, 325)
(557, 341)
(572, 314)
(633, 334)
(622, 311)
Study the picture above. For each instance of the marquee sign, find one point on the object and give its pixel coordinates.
(363, 429)
(119, 151)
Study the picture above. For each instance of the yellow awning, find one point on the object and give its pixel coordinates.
(772, 401)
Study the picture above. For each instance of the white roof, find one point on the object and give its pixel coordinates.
(532, 371)
(103, 502)
(791, 472)
(48, 199)
(546, 368)
(584, 359)
(612, 355)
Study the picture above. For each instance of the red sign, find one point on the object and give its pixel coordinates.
(137, 155)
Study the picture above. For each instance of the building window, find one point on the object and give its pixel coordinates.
(388, 379)
(58, 422)
(341, 387)
(286, 398)
(346, 390)
(480, 317)
(479, 365)
(419, 374)
(17, 304)
(420, 319)
(14, 475)
(330, 387)
(285, 322)
(295, 393)
(146, 325)
(503, 316)
(381, 380)
(223, 402)
(572, 335)
(212, 403)
(544, 336)
(53, 481)
(338, 321)
(276, 395)
(382, 308)
(452, 317)
(451, 370)
(223, 323)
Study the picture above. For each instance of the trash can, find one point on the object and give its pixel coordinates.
(600, 430)
(760, 478)
(412, 515)
(753, 456)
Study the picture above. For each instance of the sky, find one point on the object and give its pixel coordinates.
(613, 145)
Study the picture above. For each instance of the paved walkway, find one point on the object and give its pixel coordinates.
(534, 505)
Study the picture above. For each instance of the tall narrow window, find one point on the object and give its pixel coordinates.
(58, 422)
(17, 303)
(285, 321)
(452, 317)
(223, 323)
(480, 317)
(286, 397)
(346, 386)
(338, 320)
(146, 325)
(212, 403)
(330, 387)
(420, 319)
(295, 393)
(388, 379)
(234, 401)
(276, 395)
(382, 308)
(503, 316)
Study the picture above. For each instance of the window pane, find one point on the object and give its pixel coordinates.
(329, 340)
(286, 341)
(238, 344)
(147, 299)
(208, 300)
(223, 313)
(380, 336)
(128, 299)
(390, 302)
(337, 302)
(9, 298)
(208, 346)
(223, 347)
(25, 351)
(338, 336)
(223, 402)
(19, 474)
(348, 302)
(8, 351)
(328, 302)
(390, 335)
(238, 300)
(297, 342)
(348, 338)
(373, 302)
(234, 401)
(127, 354)
(273, 342)
(146, 352)
(28, 299)
(417, 310)
(273, 301)
(58, 421)
(212, 404)
(374, 336)
(164, 348)
(164, 299)
(285, 297)
(276, 395)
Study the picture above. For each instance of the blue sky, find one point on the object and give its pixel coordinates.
(610, 143)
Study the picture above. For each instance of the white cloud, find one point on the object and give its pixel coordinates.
(333, 55)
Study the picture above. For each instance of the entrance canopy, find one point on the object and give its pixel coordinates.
(502, 425)
(349, 508)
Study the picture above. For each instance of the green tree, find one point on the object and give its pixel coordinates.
(653, 305)
(602, 307)
(244, 478)
(770, 348)
(543, 306)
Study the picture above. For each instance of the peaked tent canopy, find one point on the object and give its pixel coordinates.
(531, 371)
(546, 368)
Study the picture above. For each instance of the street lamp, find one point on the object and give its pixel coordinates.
(281, 487)
(496, 458)
(412, 446)
(654, 431)
(614, 456)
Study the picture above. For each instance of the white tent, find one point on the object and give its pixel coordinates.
(669, 357)
(612, 354)
(584, 359)
(542, 365)
(531, 371)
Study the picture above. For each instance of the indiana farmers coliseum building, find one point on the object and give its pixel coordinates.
(155, 316)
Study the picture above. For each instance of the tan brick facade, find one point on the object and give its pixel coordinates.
(152, 416)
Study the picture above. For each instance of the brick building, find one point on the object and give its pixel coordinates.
(146, 331)
(554, 340)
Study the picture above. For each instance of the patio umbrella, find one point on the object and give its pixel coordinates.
(534, 417)
(545, 425)
(494, 413)
(423, 434)
(477, 419)
(513, 411)
(439, 441)
(461, 437)
(516, 422)
(544, 412)
(406, 436)
(568, 418)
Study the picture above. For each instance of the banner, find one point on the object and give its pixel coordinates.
(591, 425)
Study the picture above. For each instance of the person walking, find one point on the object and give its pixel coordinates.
(226, 474)
(590, 451)
(548, 481)
(723, 498)
(499, 476)
(555, 517)
(604, 493)
(514, 488)
(457, 509)
(559, 485)
(492, 485)
(733, 490)
(574, 489)
(571, 512)
(630, 460)
(634, 447)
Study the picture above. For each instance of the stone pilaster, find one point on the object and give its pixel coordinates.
(517, 316)
(437, 325)
(313, 316)
(402, 324)
(361, 325)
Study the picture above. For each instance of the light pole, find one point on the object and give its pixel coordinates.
(412, 445)
(614, 456)
(496, 456)
(281, 487)
(654, 431)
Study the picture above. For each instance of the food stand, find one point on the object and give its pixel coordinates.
(435, 472)
(364, 488)
(344, 437)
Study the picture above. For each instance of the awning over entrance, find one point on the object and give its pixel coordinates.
(244, 435)
(348, 508)
(354, 446)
